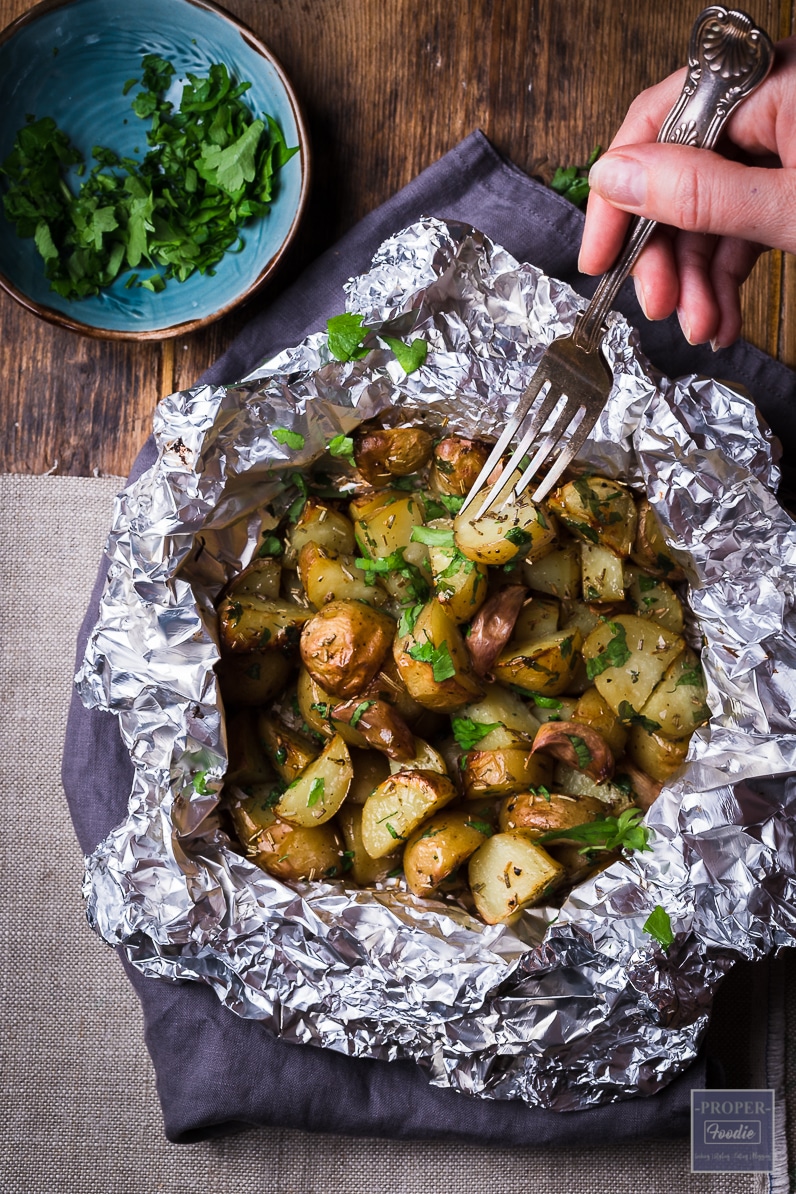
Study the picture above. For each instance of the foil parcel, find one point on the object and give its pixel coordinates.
(571, 1007)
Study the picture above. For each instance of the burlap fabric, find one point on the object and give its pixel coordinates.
(79, 1105)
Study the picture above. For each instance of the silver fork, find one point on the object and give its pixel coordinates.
(728, 57)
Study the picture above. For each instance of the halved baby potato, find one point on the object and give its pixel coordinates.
(654, 599)
(327, 576)
(433, 661)
(650, 550)
(598, 510)
(510, 872)
(503, 763)
(655, 754)
(291, 852)
(678, 704)
(384, 453)
(593, 710)
(399, 805)
(545, 666)
(460, 585)
(364, 870)
(501, 706)
(321, 524)
(557, 573)
(289, 751)
(626, 658)
(439, 847)
(602, 573)
(519, 528)
(316, 795)
(251, 623)
(545, 812)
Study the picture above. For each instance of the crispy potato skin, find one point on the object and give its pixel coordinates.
(382, 454)
(440, 846)
(542, 814)
(457, 463)
(286, 851)
(344, 644)
(436, 628)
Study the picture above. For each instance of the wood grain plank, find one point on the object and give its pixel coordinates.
(386, 90)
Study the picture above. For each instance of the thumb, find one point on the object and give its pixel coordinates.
(697, 190)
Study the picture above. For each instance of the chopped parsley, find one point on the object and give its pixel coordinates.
(347, 332)
(291, 439)
(659, 926)
(572, 181)
(518, 537)
(547, 702)
(616, 652)
(209, 168)
(433, 536)
(481, 826)
(270, 546)
(692, 678)
(342, 446)
(439, 658)
(409, 616)
(316, 792)
(361, 708)
(629, 716)
(582, 751)
(468, 733)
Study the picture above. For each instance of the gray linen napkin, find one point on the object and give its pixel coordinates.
(217, 1073)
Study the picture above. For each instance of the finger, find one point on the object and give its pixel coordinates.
(698, 191)
(655, 276)
(732, 264)
(603, 235)
(697, 306)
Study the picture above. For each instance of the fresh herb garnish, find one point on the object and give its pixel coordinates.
(409, 356)
(629, 716)
(316, 792)
(409, 616)
(547, 702)
(343, 446)
(481, 826)
(439, 658)
(468, 733)
(209, 168)
(659, 926)
(692, 678)
(347, 332)
(616, 652)
(291, 439)
(607, 833)
(518, 537)
(571, 181)
(582, 751)
(433, 536)
(270, 546)
(356, 716)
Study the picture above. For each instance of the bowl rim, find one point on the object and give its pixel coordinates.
(59, 318)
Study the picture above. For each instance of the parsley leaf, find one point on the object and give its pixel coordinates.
(346, 334)
(433, 536)
(692, 678)
(409, 616)
(616, 652)
(439, 657)
(659, 926)
(468, 732)
(607, 833)
(356, 716)
(316, 792)
(409, 356)
(342, 445)
(291, 439)
(628, 715)
(581, 750)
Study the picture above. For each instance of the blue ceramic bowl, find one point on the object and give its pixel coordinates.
(70, 59)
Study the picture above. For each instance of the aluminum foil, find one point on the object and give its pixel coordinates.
(571, 1007)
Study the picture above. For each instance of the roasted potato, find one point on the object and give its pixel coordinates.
(626, 658)
(260, 578)
(503, 763)
(317, 793)
(602, 573)
(457, 463)
(440, 846)
(558, 573)
(344, 644)
(253, 678)
(321, 524)
(358, 864)
(384, 453)
(433, 661)
(650, 550)
(656, 755)
(327, 576)
(677, 705)
(289, 751)
(460, 585)
(380, 724)
(250, 623)
(399, 805)
(509, 872)
(286, 851)
(597, 510)
(542, 812)
(517, 529)
(593, 710)
(654, 599)
(545, 666)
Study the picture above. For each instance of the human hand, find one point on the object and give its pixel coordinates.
(720, 214)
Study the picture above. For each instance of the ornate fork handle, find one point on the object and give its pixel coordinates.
(728, 57)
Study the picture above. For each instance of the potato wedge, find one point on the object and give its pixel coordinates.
(519, 529)
(332, 577)
(364, 870)
(460, 585)
(260, 578)
(538, 618)
(371, 768)
(502, 706)
(510, 872)
(650, 550)
(558, 573)
(251, 623)
(315, 796)
(545, 666)
(503, 763)
(439, 846)
(598, 510)
(593, 710)
(679, 703)
(602, 572)
(539, 813)
(344, 645)
(457, 463)
(656, 755)
(433, 661)
(290, 752)
(286, 851)
(654, 599)
(426, 758)
(316, 704)
(321, 524)
(384, 453)
(399, 805)
(626, 658)
(380, 724)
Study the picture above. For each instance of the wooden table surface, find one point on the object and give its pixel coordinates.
(387, 89)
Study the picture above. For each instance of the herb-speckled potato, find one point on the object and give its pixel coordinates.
(433, 661)
(317, 793)
(650, 550)
(541, 812)
(329, 577)
(678, 704)
(519, 529)
(286, 851)
(503, 762)
(289, 751)
(658, 756)
(364, 870)
(250, 623)
(440, 846)
(597, 510)
(384, 453)
(321, 524)
(626, 657)
(457, 463)
(344, 645)
(508, 873)
(545, 666)
(399, 805)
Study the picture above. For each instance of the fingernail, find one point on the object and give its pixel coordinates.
(640, 296)
(684, 324)
(620, 180)
(716, 345)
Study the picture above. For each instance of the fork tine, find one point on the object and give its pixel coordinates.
(524, 404)
(565, 417)
(567, 455)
